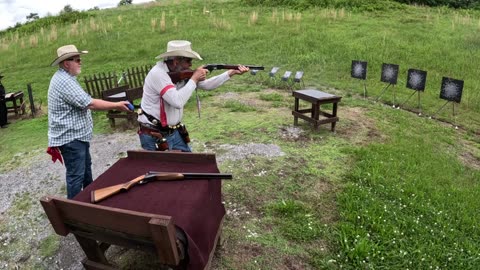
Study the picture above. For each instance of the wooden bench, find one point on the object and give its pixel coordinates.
(184, 238)
(112, 226)
(316, 98)
(16, 99)
(119, 94)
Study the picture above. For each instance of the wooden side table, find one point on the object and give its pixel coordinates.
(316, 98)
(16, 107)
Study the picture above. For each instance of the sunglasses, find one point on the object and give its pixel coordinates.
(77, 60)
(186, 59)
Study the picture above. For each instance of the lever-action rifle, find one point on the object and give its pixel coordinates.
(187, 74)
(103, 193)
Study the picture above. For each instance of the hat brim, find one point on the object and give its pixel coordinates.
(189, 54)
(66, 56)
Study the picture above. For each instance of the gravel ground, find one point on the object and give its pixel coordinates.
(23, 224)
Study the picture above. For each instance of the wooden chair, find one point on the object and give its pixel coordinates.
(112, 226)
(119, 94)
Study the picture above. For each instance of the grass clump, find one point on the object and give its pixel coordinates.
(294, 220)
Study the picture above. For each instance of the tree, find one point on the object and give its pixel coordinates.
(124, 2)
(67, 9)
(32, 16)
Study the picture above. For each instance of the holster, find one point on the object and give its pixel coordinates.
(161, 143)
(184, 133)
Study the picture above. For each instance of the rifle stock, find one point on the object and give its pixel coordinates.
(187, 74)
(103, 193)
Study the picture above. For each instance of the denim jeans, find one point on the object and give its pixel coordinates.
(174, 140)
(78, 163)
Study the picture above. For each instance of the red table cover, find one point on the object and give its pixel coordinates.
(195, 205)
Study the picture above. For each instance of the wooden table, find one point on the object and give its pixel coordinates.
(316, 98)
(16, 106)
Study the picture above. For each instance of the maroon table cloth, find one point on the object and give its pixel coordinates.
(195, 205)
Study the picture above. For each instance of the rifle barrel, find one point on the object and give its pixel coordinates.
(198, 175)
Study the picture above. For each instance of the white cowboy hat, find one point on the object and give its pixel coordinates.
(66, 52)
(180, 48)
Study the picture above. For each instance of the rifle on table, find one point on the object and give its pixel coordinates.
(187, 74)
(103, 193)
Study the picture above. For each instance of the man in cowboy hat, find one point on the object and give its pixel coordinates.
(163, 101)
(70, 122)
(3, 106)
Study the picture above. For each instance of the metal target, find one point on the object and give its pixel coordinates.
(389, 73)
(416, 79)
(359, 69)
(451, 89)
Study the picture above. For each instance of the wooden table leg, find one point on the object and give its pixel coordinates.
(315, 114)
(334, 115)
(295, 118)
(92, 250)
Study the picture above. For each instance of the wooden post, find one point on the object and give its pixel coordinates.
(30, 98)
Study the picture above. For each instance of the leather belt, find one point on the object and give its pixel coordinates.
(149, 128)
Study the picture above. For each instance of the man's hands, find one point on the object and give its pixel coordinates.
(241, 69)
(124, 106)
(200, 74)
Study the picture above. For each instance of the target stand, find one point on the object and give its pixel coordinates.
(451, 91)
(359, 71)
(390, 76)
(416, 80)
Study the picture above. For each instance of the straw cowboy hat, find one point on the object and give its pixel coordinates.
(66, 52)
(180, 48)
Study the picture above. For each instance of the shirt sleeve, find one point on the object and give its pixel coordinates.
(178, 97)
(75, 95)
(214, 82)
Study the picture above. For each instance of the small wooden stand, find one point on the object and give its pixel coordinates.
(16, 106)
(316, 98)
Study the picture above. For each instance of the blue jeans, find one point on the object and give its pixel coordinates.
(76, 155)
(174, 140)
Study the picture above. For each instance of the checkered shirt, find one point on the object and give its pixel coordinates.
(68, 116)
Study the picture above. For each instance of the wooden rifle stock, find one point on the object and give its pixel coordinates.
(103, 193)
(187, 74)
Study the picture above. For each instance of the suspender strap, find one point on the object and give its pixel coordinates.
(163, 115)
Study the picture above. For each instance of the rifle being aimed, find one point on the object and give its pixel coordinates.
(187, 74)
(103, 193)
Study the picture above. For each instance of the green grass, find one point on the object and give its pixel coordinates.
(388, 190)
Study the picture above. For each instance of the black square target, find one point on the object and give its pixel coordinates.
(359, 69)
(416, 79)
(451, 89)
(389, 73)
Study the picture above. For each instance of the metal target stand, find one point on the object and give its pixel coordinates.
(390, 76)
(451, 91)
(359, 71)
(416, 80)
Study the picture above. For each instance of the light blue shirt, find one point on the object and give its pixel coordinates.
(68, 116)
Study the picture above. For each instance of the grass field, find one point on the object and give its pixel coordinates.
(388, 190)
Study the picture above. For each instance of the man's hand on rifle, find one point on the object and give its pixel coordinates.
(241, 69)
(200, 74)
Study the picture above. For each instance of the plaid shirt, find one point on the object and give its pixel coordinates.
(68, 116)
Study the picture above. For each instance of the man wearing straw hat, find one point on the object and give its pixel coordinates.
(163, 101)
(70, 122)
